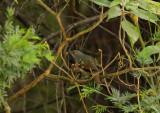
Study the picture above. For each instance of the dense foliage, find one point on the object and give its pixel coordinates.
(20, 53)
(123, 35)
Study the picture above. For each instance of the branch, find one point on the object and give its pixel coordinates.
(128, 70)
(47, 72)
(26, 88)
(74, 25)
(90, 28)
(32, 84)
(52, 76)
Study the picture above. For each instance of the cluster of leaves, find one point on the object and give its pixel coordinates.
(148, 102)
(88, 90)
(20, 52)
(3, 100)
(146, 10)
(120, 101)
(99, 108)
(92, 88)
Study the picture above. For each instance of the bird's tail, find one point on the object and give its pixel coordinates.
(96, 78)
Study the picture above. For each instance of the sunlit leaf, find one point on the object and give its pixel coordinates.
(114, 12)
(131, 31)
(133, 3)
(150, 5)
(114, 3)
(148, 51)
(146, 15)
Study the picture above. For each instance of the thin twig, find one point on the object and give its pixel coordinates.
(62, 70)
(105, 81)
(46, 7)
(47, 72)
(138, 96)
(64, 62)
(130, 85)
(64, 7)
(80, 95)
(74, 25)
(102, 16)
(123, 46)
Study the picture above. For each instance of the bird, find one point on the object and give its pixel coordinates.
(87, 63)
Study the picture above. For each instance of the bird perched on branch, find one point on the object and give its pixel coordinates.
(86, 62)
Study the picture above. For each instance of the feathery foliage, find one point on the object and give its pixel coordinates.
(20, 52)
(92, 88)
(99, 108)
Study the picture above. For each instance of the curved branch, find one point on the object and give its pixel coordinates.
(32, 84)
(74, 25)
(47, 72)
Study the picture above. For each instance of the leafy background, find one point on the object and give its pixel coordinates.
(30, 39)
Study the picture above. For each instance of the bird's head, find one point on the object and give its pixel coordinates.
(74, 53)
(77, 55)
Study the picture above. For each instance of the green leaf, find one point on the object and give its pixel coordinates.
(49, 56)
(99, 108)
(150, 5)
(19, 51)
(146, 15)
(114, 12)
(36, 37)
(104, 3)
(144, 61)
(131, 31)
(10, 12)
(114, 3)
(148, 51)
(71, 87)
(133, 3)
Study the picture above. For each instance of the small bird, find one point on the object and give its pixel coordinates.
(86, 61)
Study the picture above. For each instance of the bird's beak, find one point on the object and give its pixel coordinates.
(70, 52)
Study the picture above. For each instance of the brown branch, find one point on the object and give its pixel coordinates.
(47, 72)
(74, 25)
(61, 26)
(128, 70)
(122, 43)
(102, 76)
(90, 28)
(26, 88)
(55, 14)
(47, 8)
(79, 91)
(64, 7)
(52, 76)
(32, 84)
(62, 70)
